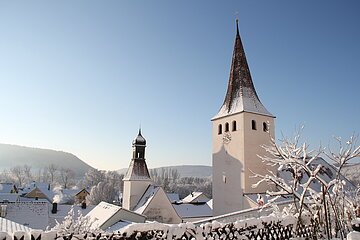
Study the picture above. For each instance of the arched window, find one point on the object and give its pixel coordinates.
(234, 126)
(220, 129)
(226, 127)
(265, 127)
(253, 124)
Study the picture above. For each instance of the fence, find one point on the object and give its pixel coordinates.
(260, 228)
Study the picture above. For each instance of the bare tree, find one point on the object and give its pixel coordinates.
(27, 173)
(5, 176)
(52, 170)
(67, 177)
(330, 207)
(18, 175)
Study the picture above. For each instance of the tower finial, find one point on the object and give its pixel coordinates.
(237, 26)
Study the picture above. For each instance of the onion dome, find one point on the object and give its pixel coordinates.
(139, 140)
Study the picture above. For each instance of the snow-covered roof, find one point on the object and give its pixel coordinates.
(195, 197)
(241, 95)
(146, 198)
(102, 213)
(32, 214)
(327, 174)
(173, 197)
(193, 210)
(10, 227)
(9, 197)
(118, 226)
(6, 187)
(105, 215)
(44, 188)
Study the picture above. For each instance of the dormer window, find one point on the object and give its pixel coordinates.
(265, 127)
(220, 129)
(226, 127)
(234, 126)
(253, 124)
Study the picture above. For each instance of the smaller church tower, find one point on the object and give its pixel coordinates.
(137, 178)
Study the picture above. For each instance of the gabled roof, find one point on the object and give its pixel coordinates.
(10, 197)
(241, 95)
(10, 227)
(31, 214)
(173, 197)
(146, 198)
(195, 197)
(193, 210)
(118, 226)
(105, 215)
(156, 205)
(7, 187)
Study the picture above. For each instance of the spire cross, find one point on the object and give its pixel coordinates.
(237, 23)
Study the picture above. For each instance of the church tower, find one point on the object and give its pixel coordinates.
(239, 129)
(137, 178)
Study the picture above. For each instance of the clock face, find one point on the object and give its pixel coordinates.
(227, 138)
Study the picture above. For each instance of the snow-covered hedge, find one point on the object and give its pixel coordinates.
(255, 228)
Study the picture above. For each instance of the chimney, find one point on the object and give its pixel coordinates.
(83, 205)
(3, 211)
(54, 208)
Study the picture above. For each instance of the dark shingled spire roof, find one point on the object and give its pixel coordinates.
(241, 95)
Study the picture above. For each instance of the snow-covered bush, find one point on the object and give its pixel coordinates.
(319, 194)
(75, 224)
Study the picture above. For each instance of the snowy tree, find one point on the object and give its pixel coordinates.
(103, 191)
(115, 179)
(75, 224)
(332, 207)
(93, 177)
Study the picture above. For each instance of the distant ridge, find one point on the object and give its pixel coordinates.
(201, 171)
(14, 155)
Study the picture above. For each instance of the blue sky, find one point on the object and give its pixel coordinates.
(81, 76)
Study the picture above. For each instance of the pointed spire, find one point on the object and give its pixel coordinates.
(237, 28)
(241, 95)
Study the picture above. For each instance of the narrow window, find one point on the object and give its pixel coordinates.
(253, 124)
(234, 125)
(265, 127)
(224, 178)
(226, 127)
(220, 129)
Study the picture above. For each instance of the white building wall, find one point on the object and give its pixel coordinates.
(233, 161)
(133, 190)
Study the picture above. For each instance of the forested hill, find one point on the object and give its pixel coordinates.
(13, 155)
